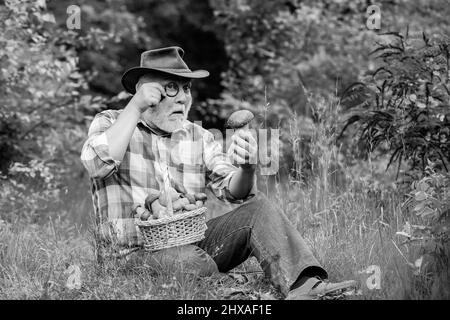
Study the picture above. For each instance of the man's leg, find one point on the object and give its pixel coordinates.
(260, 229)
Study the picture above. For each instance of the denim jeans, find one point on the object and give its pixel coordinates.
(256, 228)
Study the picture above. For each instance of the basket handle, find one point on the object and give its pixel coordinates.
(166, 184)
(163, 178)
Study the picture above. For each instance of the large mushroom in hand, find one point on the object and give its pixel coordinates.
(240, 120)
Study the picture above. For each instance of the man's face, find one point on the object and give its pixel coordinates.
(171, 112)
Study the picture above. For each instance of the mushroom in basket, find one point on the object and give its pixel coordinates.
(156, 203)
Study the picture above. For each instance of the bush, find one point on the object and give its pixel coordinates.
(403, 107)
(402, 110)
(42, 122)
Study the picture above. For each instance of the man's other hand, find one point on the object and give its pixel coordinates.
(244, 150)
(148, 95)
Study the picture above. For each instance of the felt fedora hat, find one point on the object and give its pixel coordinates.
(167, 60)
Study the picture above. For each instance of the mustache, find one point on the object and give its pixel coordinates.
(181, 110)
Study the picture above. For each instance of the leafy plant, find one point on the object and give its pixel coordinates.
(42, 117)
(402, 107)
(429, 199)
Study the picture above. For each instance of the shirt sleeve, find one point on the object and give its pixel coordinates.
(220, 170)
(95, 154)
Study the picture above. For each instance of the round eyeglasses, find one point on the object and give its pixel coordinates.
(172, 89)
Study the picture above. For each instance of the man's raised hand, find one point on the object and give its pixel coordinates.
(148, 95)
(243, 150)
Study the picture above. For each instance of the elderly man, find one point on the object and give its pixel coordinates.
(124, 149)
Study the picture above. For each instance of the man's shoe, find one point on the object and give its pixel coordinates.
(314, 289)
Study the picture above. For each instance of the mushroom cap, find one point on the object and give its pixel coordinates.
(239, 118)
(151, 197)
(201, 196)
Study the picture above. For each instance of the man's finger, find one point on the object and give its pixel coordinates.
(251, 147)
(238, 159)
(245, 135)
(234, 156)
(155, 85)
(153, 99)
(240, 141)
(241, 152)
(161, 89)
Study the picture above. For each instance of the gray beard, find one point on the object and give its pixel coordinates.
(169, 126)
(158, 123)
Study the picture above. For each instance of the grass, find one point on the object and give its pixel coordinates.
(354, 233)
(348, 236)
(34, 262)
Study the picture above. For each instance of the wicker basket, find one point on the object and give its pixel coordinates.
(177, 230)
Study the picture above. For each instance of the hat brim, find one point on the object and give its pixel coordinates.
(131, 76)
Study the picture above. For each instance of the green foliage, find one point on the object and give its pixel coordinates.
(431, 196)
(275, 48)
(283, 52)
(42, 122)
(109, 41)
(429, 200)
(403, 107)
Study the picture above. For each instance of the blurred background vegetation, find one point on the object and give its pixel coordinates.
(363, 114)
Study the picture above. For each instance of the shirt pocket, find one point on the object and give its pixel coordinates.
(187, 158)
(187, 153)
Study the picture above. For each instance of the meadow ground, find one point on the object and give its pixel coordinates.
(354, 230)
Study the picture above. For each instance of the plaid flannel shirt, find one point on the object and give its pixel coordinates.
(191, 155)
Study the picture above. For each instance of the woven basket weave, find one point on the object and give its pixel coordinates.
(177, 230)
